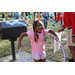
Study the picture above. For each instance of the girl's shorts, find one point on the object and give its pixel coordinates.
(69, 38)
(38, 56)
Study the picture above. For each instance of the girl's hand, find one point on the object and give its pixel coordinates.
(56, 38)
(50, 31)
(20, 39)
(19, 45)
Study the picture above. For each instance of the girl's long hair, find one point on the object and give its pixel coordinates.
(34, 29)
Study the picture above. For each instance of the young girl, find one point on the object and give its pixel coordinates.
(37, 36)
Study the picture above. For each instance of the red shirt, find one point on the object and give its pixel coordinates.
(59, 16)
(69, 21)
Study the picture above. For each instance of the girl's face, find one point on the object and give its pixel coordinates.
(39, 27)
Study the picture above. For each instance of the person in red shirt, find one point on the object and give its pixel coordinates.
(59, 17)
(69, 23)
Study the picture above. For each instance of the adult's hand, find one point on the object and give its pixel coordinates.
(60, 30)
(73, 39)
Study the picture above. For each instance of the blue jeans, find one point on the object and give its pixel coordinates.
(45, 22)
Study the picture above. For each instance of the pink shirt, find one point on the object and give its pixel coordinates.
(40, 45)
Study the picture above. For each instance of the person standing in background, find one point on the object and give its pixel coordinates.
(45, 15)
(17, 15)
(10, 14)
(3, 14)
(59, 17)
(23, 15)
(55, 16)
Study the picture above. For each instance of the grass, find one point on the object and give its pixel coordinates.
(5, 45)
(6, 15)
(5, 48)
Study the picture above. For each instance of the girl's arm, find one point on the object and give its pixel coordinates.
(52, 32)
(20, 39)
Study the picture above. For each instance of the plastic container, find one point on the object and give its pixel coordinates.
(56, 43)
